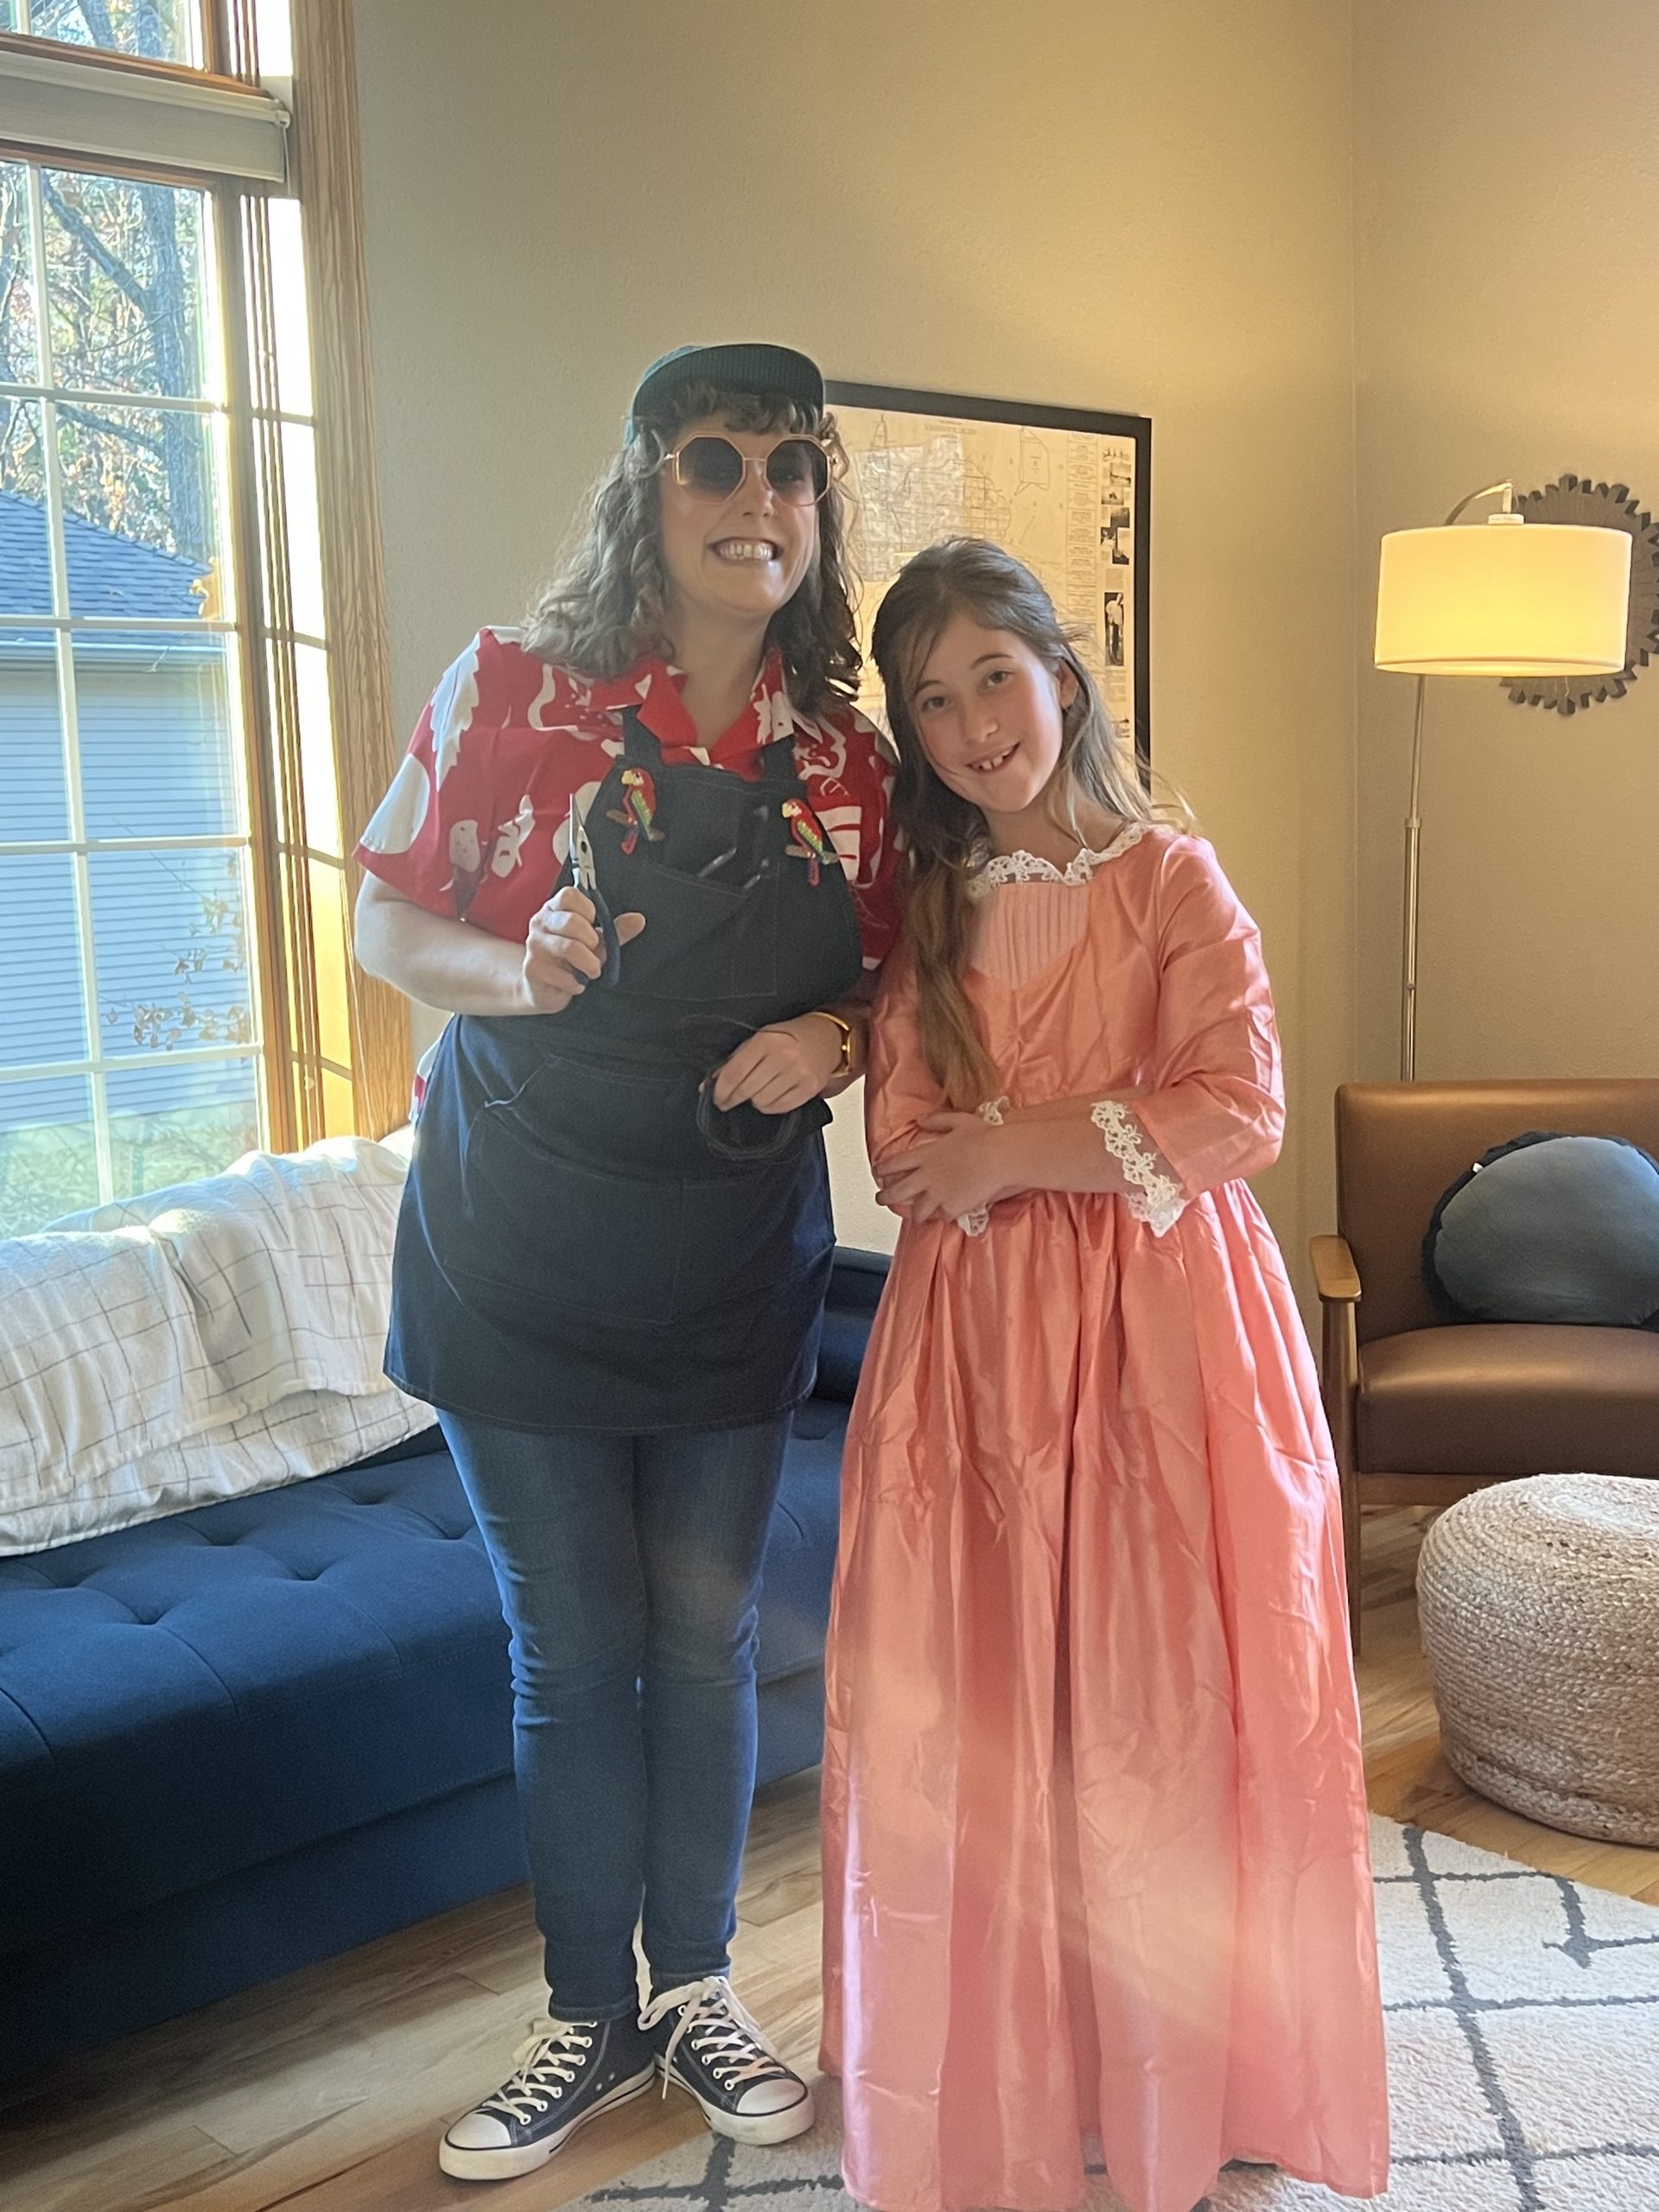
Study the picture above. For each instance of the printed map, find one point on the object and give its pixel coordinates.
(1062, 500)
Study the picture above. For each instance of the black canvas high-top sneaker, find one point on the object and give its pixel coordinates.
(707, 2043)
(565, 2073)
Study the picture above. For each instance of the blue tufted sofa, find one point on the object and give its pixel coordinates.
(239, 1740)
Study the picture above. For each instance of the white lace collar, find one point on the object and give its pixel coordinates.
(1026, 867)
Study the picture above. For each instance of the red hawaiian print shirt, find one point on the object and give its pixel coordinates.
(475, 824)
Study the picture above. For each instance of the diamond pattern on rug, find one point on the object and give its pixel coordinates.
(1524, 2061)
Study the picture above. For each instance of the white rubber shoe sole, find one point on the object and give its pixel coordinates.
(751, 2127)
(524, 2158)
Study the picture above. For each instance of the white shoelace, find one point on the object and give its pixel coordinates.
(544, 2065)
(719, 2029)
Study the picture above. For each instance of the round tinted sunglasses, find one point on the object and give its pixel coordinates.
(712, 467)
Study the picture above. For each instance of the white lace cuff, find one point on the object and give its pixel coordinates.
(1154, 1198)
(977, 1224)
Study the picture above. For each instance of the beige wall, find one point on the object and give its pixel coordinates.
(1508, 196)
(1140, 206)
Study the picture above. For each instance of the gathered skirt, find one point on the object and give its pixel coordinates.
(1095, 1830)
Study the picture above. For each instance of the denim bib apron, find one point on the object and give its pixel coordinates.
(584, 1241)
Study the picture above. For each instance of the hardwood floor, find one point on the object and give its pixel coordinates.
(325, 2092)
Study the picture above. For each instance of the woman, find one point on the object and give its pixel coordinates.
(616, 1237)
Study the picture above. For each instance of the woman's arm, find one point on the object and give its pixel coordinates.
(854, 1011)
(461, 969)
(790, 1063)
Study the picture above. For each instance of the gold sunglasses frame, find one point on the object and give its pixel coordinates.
(834, 461)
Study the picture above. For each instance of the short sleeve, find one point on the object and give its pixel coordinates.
(427, 837)
(849, 782)
(875, 888)
(1214, 1108)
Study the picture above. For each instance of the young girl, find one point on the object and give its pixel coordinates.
(1096, 1858)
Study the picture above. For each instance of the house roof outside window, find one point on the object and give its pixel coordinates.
(109, 575)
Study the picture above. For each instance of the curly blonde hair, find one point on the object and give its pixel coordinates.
(606, 606)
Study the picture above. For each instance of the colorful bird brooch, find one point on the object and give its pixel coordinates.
(638, 812)
(813, 846)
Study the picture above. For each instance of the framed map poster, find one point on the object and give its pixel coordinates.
(1067, 491)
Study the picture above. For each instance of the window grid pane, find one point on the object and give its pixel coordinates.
(18, 292)
(130, 731)
(43, 1007)
(173, 964)
(189, 1122)
(160, 753)
(332, 956)
(128, 301)
(48, 1158)
(321, 1007)
(165, 30)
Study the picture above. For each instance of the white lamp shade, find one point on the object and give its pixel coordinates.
(1504, 598)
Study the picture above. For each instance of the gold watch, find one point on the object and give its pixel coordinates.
(845, 1064)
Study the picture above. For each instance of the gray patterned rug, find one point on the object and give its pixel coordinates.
(1523, 2046)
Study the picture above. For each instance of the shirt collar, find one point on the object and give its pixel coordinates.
(654, 685)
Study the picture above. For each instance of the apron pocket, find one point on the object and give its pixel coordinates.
(551, 1231)
(744, 1235)
(702, 942)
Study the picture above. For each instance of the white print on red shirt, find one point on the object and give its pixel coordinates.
(508, 740)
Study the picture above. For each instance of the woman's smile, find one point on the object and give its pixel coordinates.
(738, 551)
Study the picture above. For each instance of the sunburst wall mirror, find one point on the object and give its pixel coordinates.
(1601, 507)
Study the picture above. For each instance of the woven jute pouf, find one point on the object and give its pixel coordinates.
(1539, 1602)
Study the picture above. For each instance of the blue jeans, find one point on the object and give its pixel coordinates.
(629, 1569)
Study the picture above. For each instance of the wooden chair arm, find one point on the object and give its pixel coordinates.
(1334, 1273)
(1338, 1280)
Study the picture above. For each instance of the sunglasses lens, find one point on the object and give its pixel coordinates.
(798, 472)
(712, 468)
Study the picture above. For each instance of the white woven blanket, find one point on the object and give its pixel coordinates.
(241, 1320)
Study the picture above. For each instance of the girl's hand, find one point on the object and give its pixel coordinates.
(963, 1167)
(562, 954)
(780, 1068)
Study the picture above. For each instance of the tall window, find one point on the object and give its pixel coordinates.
(174, 977)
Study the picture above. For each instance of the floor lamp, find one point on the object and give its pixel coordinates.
(1506, 598)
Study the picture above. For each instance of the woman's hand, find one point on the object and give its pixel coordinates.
(780, 1068)
(563, 953)
(964, 1167)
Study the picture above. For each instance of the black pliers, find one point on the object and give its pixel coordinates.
(584, 875)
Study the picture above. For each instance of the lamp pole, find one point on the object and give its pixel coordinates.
(1414, 829)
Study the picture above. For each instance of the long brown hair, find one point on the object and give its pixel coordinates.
(607, 604)
(946, 837)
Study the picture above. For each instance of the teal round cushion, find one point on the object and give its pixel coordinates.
(1551, 1229)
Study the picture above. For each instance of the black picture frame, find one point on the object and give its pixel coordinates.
(842, 392)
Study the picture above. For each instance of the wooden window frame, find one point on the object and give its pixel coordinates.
(365, 744)
(312, 992)
(324, 150)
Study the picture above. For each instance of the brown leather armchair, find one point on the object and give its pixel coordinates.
(1423, 1410)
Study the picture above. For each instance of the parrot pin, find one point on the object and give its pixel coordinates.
(812, 845)
(638, 812)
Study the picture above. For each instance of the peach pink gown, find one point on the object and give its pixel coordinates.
(1094, 1842)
